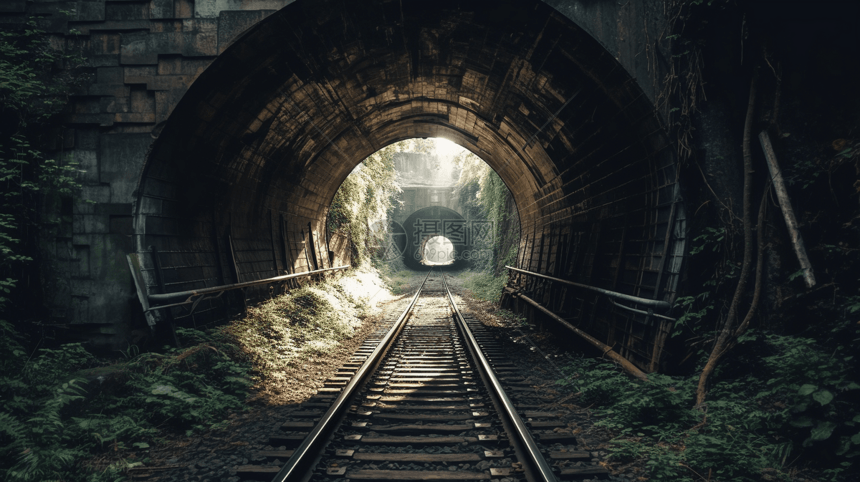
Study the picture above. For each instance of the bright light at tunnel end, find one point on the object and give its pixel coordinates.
(438, 251)
(446, 148)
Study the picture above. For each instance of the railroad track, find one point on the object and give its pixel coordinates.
(430, 396)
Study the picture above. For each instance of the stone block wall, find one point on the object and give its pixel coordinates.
(142, 56)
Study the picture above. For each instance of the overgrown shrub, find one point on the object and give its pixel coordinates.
(363, 201)
(51, 416)
(483, 195)
(798, 401)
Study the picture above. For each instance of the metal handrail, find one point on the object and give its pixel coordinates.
(246, 284)
(642, 312)
(510, 410)
(293, 469)
(664, 305)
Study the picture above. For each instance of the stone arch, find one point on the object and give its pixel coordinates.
(238, 183)
(418, 231)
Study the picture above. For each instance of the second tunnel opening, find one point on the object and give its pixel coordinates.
(426, 202)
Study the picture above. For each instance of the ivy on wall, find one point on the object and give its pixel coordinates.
(483, 194)
(363, 202)
(36, 79)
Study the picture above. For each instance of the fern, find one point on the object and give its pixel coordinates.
(41, 445)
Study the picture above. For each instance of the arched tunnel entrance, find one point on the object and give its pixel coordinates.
(430, 223)
(238, 183)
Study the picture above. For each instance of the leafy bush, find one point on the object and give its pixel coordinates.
(819, 387)
(800, 400)
(51, 417)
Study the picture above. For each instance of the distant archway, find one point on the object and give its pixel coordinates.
(431, 222)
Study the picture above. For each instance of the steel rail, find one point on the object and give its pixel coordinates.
(536, 458)
(613, 294)
(294, 469)
(245, 284)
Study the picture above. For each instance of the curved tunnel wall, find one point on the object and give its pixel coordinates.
(238, 183)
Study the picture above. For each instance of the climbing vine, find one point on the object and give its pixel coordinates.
(360, 208)
(483, 194)
(36, 79)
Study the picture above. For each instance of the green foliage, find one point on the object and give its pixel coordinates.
(803, 173)
(363, 202)
(290, 328)
(29, 85)
(762, 412)
(397, 281)
(484, 195)
(711, 238)
(484, 285)
(820, 388)
(512, 318)
(32, 91)
(61, 406)
(696, 309)
(51, 417)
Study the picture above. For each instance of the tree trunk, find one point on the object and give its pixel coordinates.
(728, 326)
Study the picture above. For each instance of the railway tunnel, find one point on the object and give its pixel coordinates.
(419, 233)
(237, 185)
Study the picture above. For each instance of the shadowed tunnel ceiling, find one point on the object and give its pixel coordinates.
(253, 154)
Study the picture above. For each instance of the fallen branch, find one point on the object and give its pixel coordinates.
(787, 211)
(606, 349)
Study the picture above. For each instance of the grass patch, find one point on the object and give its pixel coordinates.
(63, 406)
(310, 321)
(483, 285)
(396, 277)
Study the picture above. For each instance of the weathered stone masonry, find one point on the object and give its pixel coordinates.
(219, 124)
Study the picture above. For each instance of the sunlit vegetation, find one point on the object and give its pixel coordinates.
(485, 285)
(306, 322)
(63, 406)
(483, 195)
(397, 279)
(360, 208)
